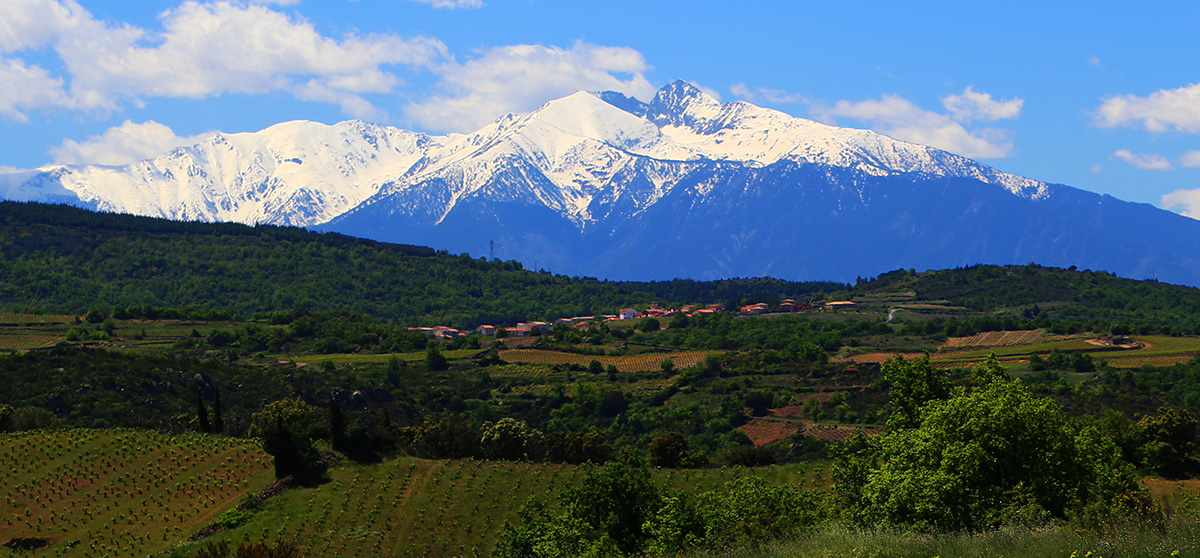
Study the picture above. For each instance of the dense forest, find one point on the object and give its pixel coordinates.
(64, 259)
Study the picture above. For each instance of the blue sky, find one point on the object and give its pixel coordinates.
(1103, 96)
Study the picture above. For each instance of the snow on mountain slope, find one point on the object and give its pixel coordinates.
(596, 155)
(740, 131)
(295, 173)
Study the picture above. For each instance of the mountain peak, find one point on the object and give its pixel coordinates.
(675, 97)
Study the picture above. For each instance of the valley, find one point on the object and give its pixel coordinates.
(410, 426)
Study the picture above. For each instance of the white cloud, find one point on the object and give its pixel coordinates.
(124, 144)
(203, 49)
(1161, 111)
(900, 118)
(1184, 202)
(25, 87)
(29, 24)
(773, 95)
(1190, 159)
(453, 3)
(519, 78)
(977, 105)
(1094, 60)
(1148, 161)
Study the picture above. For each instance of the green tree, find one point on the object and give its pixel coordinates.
(579, 447)
(6, 418)
(302, 418)
(512, 439)
(446, 439)
(759, 402)
(668, 450)
(294, 454)
(434, 359)
(977, 460)
(913, 383)
(617, 501)
(595, 367)
(745, 512)
(1169, 439)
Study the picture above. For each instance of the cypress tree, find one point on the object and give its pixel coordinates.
(202, 413)
(337, 425)
(218, 418)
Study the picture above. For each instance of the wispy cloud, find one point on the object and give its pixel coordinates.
(977, 105)
(202, 49)
(1148, 161)
(902, 119)
(741, 90)
(452, 4)
(1164, 110)
(1190, 159)
(519, 78)
(124, 144)
(1184, 202)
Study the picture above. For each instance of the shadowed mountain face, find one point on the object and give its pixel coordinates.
(608, 186)
(806, 221)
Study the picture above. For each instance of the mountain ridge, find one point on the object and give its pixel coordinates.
(601, 184)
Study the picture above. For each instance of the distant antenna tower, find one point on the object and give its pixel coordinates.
(492, 249)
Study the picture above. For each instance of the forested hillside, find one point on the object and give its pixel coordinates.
(64, 259)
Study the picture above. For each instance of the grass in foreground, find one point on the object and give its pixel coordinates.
(1181, 538)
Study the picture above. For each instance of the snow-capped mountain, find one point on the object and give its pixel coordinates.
(606, 185)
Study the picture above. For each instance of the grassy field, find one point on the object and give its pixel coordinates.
(1181, 538)
(121, 492)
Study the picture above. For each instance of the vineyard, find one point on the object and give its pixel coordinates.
(632, 363)
(430, 508)
(23, 340)
(763, 431)
(1153, 360)
(35, 319)
(121, 492)
(1002, 339)
(405, 507)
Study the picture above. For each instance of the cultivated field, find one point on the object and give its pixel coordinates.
(23, 339)
(1002, 339)
(121, 492)
(631, 363)
(29, 319)
(438, 508)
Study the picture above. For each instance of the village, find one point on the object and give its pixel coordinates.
(527, 329)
